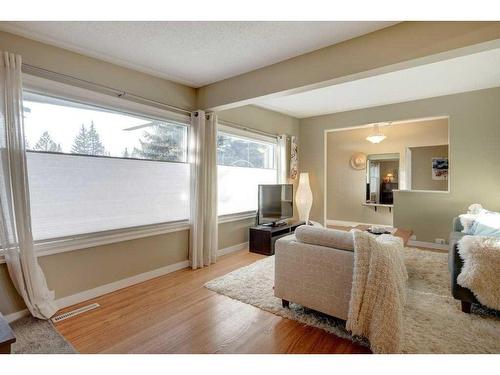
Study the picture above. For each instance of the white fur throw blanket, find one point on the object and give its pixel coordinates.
(481, 270)
(378, 293)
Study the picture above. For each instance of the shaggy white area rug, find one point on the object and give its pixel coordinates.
(433, 320)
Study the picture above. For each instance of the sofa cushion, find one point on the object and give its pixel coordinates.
(455, 237)
(337, 239)
(457, 225)
(467, 220)
(452, 241)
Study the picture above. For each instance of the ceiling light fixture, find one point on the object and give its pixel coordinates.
(376, 136)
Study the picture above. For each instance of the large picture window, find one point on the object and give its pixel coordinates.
(244, 162)
(92, 169)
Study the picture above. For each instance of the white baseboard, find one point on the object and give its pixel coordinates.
(120, 284)
(430, 245)
(232, 249)
(16, 315)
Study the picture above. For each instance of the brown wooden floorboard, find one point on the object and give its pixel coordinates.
(175, 313)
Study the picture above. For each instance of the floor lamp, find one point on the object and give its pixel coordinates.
(304, 198)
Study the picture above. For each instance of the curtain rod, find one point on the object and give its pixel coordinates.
(246, 128)
(65, 78)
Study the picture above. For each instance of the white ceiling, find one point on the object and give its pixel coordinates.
(462, 74)
(193, 53)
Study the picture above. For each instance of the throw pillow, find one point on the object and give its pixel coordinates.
(487, 223)
(467, 220)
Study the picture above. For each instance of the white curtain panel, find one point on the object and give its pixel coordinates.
(282, 159)
(204, 236)
(15, 221)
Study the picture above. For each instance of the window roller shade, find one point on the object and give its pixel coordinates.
(73, 195)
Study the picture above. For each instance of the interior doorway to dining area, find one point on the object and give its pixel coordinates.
(365, 165)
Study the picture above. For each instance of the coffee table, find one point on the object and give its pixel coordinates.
(7, 337)
(404, 234)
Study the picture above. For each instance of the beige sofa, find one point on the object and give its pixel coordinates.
(314, 268)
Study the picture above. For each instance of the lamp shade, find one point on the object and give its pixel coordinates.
(304, 198)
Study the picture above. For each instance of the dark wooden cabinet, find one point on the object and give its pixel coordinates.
(7, 337)
(263, 238)
(386, 194)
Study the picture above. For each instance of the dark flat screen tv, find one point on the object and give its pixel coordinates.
(275, 203)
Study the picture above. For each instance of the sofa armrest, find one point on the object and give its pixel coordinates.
(314, 276)
(457, 225)
(458, 291)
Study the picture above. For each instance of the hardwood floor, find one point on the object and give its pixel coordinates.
(176, 314)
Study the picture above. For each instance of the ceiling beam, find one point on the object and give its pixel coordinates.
(401, 46)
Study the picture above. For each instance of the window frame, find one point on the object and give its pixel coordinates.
(107, 102)
(185, 123)
(84, 96)
(251, 136)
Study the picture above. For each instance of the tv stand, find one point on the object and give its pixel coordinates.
(263, 237)
(275, 224)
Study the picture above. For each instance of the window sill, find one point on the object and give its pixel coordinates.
(61, 245)
(222, 219)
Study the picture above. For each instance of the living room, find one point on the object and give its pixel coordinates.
(336, 194)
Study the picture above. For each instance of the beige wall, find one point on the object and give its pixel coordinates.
(261, 119)
(76, 271)
(234, 233)
(10, 301)
(87, 68)
(421, 167)
(346, 187)
(474, 120)
(403, 45)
